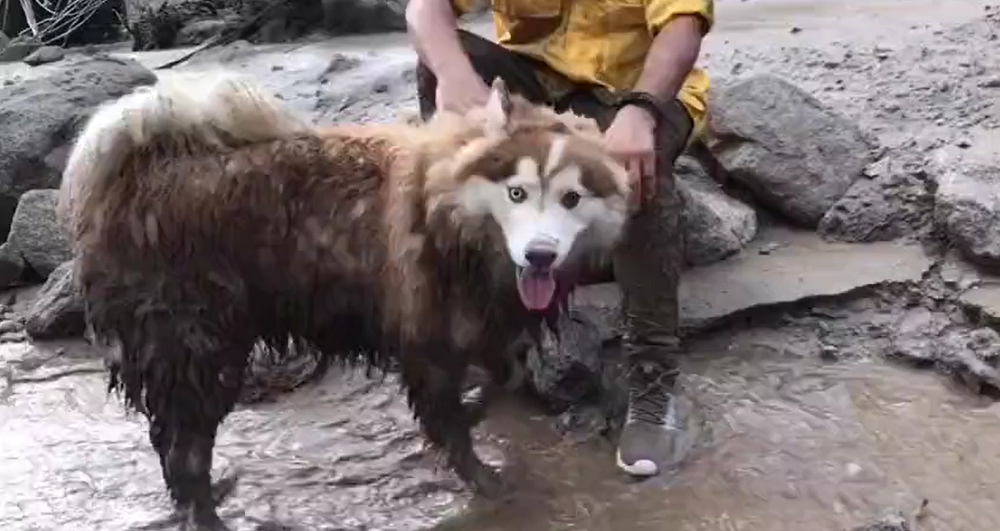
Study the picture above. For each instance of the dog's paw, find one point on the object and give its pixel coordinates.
(490, 483)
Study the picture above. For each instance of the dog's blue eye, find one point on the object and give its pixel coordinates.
(516, 194)
(569, 200)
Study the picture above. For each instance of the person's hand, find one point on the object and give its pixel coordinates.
(632, 140)
(461, 93)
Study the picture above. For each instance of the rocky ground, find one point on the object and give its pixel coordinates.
(859, 222)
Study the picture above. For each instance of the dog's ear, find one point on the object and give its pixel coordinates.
(497, 108)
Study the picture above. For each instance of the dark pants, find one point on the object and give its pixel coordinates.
(648, 262)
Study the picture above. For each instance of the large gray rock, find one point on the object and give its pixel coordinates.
(12, 265)
(897, 201)
(793, 153)
(716, 225)
(364, 16)
(57, 310)
(39, 118)
(967, 210)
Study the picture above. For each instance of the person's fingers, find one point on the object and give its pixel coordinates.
(650, 185)
(634, 167)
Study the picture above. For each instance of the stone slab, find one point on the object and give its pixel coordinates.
(797, 266)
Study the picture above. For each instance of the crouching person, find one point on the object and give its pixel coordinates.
(628, 64)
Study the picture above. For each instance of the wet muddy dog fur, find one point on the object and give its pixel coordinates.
(206, 218)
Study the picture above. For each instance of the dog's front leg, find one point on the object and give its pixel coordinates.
(433, 373)
(502, 370)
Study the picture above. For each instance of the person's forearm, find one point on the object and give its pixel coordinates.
(671, 58)
(433, 29)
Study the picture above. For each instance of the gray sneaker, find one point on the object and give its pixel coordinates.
(652, 437)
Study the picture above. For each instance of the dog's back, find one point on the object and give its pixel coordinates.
(205, 200)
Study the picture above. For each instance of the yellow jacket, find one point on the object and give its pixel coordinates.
(599, 41)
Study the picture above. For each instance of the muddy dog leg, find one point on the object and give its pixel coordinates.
(504, 372)
(432, 375)
(189, 391)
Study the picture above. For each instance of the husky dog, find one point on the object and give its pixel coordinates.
(207, 218)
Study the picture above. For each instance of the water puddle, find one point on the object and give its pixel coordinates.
(795, 444)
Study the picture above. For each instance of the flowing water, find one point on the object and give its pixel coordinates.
(792, 443)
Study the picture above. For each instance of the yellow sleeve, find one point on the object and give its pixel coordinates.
(660, 12)
(463, 6)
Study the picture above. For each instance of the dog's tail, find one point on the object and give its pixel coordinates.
(183, 111)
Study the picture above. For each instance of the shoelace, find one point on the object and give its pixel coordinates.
(649, 397)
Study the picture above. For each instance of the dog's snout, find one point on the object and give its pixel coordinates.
(540, 258)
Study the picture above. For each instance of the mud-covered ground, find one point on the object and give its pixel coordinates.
(817, 410)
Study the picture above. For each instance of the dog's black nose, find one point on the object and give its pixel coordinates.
(540, 258)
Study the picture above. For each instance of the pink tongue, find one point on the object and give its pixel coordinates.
(536, 290)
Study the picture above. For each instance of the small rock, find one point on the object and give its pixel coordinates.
(9, 326)
(993, 82)
(917, 336)
(967, 209)
(13, 337)
(45, 55)
(829, 353)
(716, 225)
(18, 48)
(768, 248)
(57, 310)
(341, 63)
(890, 522)
(567, 370)
(199, 31)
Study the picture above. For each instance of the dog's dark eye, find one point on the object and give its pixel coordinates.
(517, 194)
(569, 200)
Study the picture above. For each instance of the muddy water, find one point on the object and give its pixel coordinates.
(792, 443)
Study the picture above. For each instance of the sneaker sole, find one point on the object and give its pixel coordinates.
(641, 468)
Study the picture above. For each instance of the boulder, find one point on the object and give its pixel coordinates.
(967, 211)
(716, 225)
(36, 235)
(12, 266)
(897, 201)
(57, 310)
(45, 55)
(40, 117)
(794, 154)
(363, 16)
